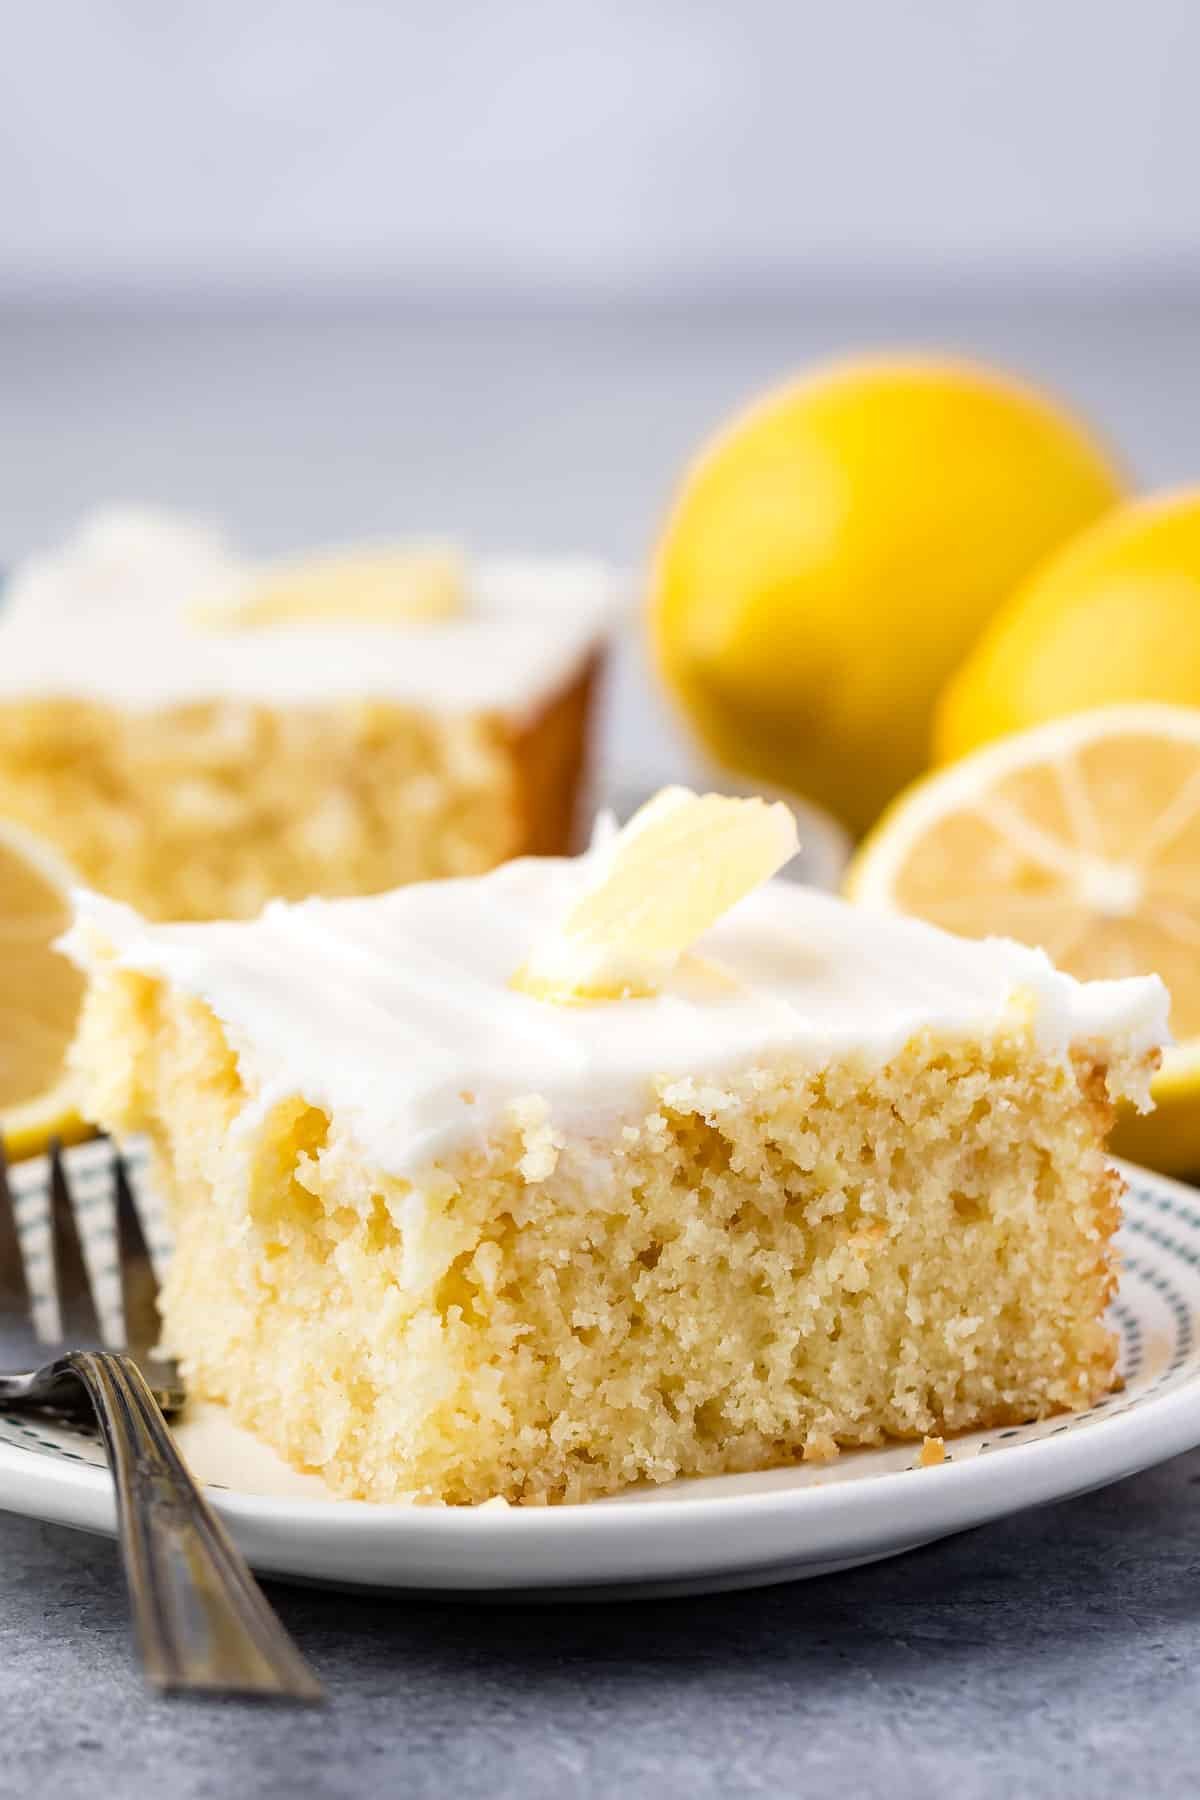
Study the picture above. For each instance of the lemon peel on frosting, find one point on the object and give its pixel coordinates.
(678, 866)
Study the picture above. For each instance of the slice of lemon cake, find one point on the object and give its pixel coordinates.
(199, 733)
(597, 1171)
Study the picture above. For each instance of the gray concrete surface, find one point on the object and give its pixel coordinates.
(1056, 1653)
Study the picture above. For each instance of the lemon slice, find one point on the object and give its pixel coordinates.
(405, 586)
(1081, 836)
(679, 864)
(39, 995)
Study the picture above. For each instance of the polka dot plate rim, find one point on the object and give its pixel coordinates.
(695, 1536)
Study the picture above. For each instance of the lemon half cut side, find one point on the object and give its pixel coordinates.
(40, 993)
(1082, 837)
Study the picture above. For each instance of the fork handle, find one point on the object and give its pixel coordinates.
(200, 1619)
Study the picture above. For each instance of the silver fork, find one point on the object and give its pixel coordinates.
(200, 1620)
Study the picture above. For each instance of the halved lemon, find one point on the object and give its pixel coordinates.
(39, 996)
(408, 584)
(678, 865)
(1081, 836)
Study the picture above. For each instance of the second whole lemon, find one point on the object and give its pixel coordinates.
(833, 555)
(1113, 617)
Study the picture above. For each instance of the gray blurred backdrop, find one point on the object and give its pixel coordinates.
(324, 267)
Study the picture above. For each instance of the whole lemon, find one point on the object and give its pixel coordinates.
(1115, 615)
(834, 553)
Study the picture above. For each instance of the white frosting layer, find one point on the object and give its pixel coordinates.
(106, 618)
(395, 1013)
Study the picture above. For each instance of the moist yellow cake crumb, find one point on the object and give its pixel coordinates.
(200, 731)
(208, 810)
(752, 1269)
(933, 1452)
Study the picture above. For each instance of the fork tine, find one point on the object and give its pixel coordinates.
(78, 1324)
(139, 1284)
(14, 1285)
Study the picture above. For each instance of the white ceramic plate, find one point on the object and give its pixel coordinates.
(701, 1535)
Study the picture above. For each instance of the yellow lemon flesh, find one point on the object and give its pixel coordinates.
(832, 556)
(1114, 616)
(1081, 837)
(403, 586)
(677, 867)
(39, 996)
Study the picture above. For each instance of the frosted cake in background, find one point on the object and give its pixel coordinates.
(585, 1173)
(199, 733)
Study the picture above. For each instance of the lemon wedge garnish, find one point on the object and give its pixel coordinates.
(39, 995)
(1081, 837)
(413, 585)
(679, 864)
